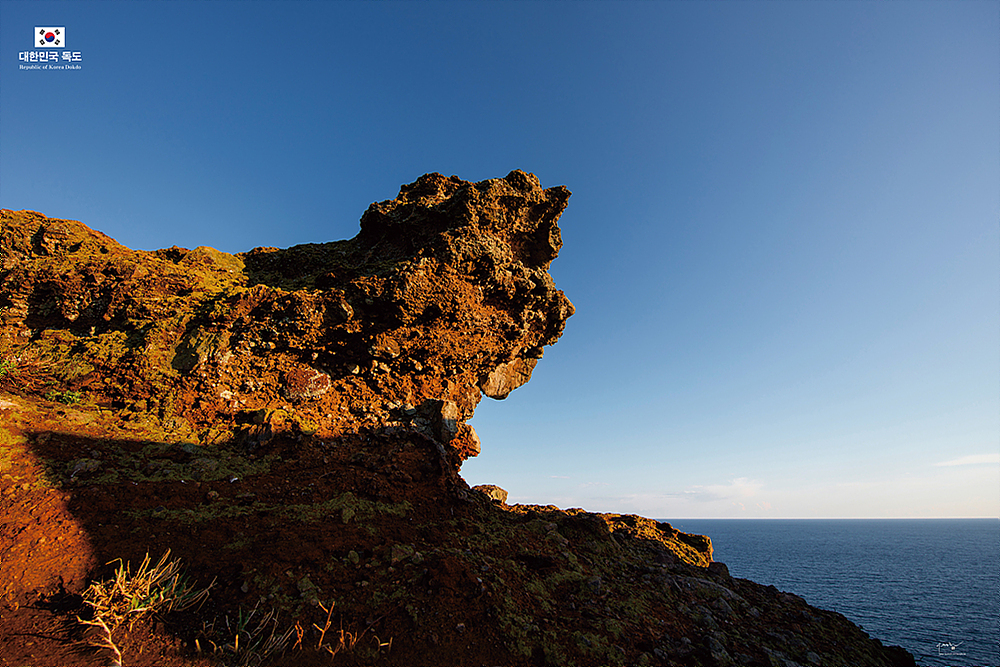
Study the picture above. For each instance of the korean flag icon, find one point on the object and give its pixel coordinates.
(50, 37)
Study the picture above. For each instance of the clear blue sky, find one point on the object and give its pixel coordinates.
(783, 242)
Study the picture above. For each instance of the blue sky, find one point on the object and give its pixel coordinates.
(783, 241)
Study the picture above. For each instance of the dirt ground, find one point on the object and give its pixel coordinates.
(363, 550)
(283, 535)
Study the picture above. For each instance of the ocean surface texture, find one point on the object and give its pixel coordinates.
(931, 586)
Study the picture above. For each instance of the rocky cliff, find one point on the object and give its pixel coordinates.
(291, 425)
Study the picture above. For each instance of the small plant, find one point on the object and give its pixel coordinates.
(104, 641)
(128, 596)
(347, 640)
(7, 367)
(255, 636)
(65, 397)
(250, 639)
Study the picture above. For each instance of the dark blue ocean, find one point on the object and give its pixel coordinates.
(931, 586)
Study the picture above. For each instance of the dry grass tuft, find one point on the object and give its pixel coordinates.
(256, 636)
(128, 596)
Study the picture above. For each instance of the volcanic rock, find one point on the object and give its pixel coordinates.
(449, 278)
(291, 425)
(493, 492)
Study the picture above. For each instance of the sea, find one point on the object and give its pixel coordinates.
(931, 586)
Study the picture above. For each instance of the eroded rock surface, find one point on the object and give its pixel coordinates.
(443, 296)
(291, 423)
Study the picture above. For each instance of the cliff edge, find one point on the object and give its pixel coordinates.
(290, 424)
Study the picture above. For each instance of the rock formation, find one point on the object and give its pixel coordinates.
(291, 423)
(444, 296)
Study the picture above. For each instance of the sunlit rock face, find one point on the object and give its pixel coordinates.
(442, 297)
(291, 425)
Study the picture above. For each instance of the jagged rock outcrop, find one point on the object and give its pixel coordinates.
(291, 423)
(442, 297)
